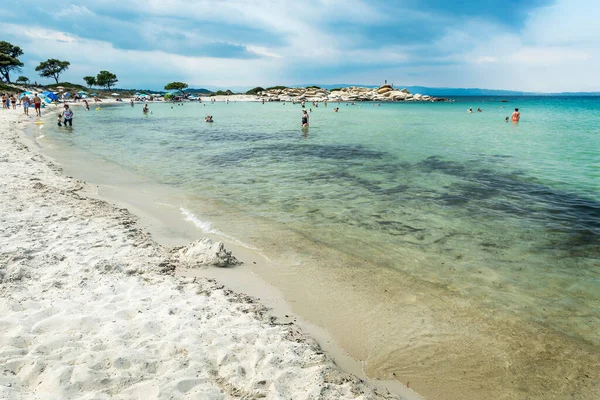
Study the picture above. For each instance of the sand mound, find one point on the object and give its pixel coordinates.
(203, 252)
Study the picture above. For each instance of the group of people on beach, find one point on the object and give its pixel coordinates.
(25, 102)
(8, 100)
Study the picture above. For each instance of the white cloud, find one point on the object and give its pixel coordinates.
(557, 48)
(72, 11)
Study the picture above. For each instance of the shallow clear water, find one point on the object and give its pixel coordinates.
(507, 215)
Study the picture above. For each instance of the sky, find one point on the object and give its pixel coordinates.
(527, 45)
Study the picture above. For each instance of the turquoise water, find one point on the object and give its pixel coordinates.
(506, 215)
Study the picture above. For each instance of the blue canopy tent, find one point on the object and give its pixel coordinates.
(23, 94)
(50, 96)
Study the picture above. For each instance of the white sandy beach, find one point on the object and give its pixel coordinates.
(90, 308)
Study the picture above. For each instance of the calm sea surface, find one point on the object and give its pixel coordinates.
(505, 215)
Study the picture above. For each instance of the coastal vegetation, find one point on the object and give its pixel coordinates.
(52, 68)
(90, 81)
(277, 88)
(9, 60)
(255, 91)
(176, 86)
(106, 79)
(68, 86)
(23, 80)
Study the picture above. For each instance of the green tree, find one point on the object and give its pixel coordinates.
(52, 68)
(176, 86)
(106, 79)
(9, 59)
(255, 91)
(90, 81)
(22, 80)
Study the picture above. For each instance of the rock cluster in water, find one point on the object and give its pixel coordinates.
(384, 93)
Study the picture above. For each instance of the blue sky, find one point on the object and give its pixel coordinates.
(534, 45)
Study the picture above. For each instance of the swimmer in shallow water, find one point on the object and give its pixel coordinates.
(208, 118)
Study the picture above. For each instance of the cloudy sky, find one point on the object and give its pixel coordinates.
(534, 45)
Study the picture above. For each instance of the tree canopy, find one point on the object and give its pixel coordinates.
(52, 68)
(106, 79)
(255, 91)
(176, 86)
(90, 81)
(22, 79)
(9, 59)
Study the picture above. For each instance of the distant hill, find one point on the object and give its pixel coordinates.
(445, 92)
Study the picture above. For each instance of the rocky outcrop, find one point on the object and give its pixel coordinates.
(385, 93)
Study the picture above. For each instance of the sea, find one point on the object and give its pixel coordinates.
(453, 251)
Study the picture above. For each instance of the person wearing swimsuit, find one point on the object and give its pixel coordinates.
(516, 116)
(304, 118)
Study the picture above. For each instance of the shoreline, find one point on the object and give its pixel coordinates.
(77, 191)
(510, 361)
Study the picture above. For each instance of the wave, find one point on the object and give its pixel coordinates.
(205, 227)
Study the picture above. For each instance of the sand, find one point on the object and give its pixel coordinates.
(90, 307)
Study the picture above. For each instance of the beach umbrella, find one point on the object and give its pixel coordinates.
(114, 94)
(93, 94)
(23, 94)
(82, 92)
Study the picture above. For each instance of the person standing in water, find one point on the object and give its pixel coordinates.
(304, 118)
(516, 116)
(145, 110)
(68, 116)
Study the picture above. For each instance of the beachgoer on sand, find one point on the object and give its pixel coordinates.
(37, 105)
(13, 100)
(25, 102)
(68, 116)
(304, 118)
(516, 116)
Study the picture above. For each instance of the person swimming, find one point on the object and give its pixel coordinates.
(304, 118)
(516, 116)
(506, 120)
(208, 118)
